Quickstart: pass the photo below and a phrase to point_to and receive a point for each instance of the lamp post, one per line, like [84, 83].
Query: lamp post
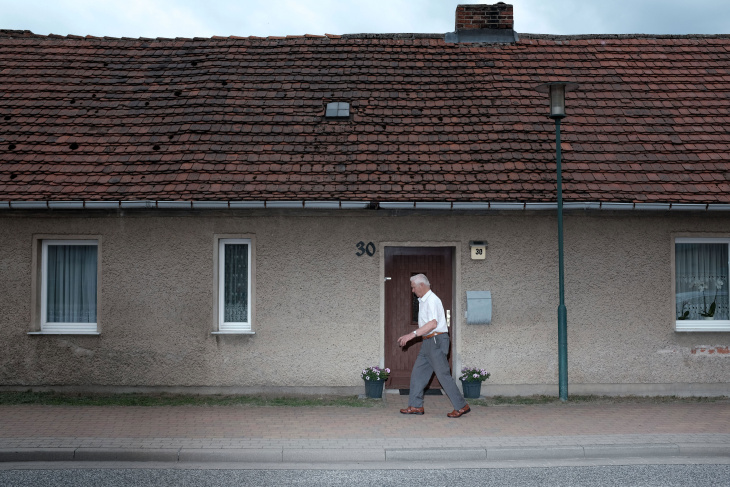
[557, 92]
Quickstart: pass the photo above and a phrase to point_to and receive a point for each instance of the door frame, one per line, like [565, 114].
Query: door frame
[457, 313]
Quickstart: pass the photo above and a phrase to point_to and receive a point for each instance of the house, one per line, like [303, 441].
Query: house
[243, 214]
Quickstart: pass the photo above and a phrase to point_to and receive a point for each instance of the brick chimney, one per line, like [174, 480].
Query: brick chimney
[470, 17]
[484, 24]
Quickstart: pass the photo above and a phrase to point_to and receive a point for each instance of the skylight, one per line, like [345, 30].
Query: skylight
[338, 109]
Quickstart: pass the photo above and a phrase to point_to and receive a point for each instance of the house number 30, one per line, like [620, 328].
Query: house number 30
[363, 248]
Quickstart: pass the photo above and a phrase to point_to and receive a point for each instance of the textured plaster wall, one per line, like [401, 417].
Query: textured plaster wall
[317, 310]
[618, 296]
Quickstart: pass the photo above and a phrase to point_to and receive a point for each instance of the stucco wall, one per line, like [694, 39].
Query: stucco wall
[317, 310]
[618, 295]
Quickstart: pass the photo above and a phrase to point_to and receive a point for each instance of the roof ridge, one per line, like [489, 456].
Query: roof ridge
[19, 33]
[10, 33]
[394, 35]
[623, 36]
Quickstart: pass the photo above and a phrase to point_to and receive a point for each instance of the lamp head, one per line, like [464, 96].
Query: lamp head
[556, 91]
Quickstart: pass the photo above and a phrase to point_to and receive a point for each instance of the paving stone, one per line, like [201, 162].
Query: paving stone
[172, 434]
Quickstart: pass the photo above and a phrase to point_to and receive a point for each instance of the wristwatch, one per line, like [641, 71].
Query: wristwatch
[415, 332]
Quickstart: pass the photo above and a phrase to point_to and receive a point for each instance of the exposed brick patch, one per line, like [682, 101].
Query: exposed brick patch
[705, 350]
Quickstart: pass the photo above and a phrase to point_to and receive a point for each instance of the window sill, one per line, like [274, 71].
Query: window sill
[92, 333]
[233, 333]
[702, 326]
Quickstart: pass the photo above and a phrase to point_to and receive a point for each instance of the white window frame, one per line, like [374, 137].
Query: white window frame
[65, 328]
[696, 325]
[233, 327]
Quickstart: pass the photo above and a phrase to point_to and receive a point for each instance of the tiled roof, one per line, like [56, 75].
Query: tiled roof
[243, 119]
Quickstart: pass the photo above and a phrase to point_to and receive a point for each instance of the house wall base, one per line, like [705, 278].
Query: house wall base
[201, 390]
[510, 390]
[676, 389]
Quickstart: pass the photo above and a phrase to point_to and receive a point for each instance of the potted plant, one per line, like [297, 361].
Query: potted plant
[375, 378]
[708, 313]
[471, 381]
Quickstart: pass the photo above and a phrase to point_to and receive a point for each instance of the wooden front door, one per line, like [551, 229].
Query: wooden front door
[401, 305]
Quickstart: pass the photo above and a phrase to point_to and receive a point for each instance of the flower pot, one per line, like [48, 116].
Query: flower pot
[374, 388]
[472, 389]
[708, 317]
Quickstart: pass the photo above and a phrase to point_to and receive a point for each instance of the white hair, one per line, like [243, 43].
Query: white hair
[420, 279]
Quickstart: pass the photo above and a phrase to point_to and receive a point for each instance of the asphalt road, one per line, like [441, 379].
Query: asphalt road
[624, 475]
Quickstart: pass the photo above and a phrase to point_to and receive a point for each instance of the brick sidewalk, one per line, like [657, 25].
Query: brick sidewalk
[379, 428]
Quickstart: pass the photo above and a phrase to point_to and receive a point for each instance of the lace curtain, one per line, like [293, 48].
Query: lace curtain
[71, 278]
[701, 279]
[235, 283]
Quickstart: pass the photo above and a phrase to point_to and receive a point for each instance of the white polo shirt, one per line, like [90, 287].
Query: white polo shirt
[430, 308]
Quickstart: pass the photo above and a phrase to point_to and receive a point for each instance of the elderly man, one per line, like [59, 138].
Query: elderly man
[435, 347]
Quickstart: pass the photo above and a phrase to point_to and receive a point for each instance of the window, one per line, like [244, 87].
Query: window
[338, 109]
[69, 286]
[701, 284]
[234, 286]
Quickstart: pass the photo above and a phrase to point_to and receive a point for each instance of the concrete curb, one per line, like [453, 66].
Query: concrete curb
[435, 455]
[536, 453]
[358, 455]
[326, 455]
[37, 454]
[127, 455]
[232, 455]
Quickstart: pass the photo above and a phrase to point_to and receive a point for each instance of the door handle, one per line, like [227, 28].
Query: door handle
[448, 318]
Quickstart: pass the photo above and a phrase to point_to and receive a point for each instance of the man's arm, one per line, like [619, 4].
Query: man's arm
[424, 330]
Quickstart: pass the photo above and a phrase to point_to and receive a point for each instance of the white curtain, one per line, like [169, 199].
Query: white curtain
[71, 292]
[235, 284]
[701, 279]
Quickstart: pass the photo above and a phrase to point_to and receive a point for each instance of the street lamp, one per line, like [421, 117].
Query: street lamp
[557, 91]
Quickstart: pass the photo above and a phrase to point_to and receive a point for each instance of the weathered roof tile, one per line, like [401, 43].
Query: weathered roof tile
[431, 121]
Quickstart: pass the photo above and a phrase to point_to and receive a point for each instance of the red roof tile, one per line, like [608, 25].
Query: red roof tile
[243, 118]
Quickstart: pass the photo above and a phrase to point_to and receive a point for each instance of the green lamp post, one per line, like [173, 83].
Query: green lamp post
[557, 92]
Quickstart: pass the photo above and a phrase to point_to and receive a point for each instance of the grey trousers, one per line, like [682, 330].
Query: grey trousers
[432, 358]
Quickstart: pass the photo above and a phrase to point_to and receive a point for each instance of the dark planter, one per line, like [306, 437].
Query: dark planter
[472, 390]
[374, 388]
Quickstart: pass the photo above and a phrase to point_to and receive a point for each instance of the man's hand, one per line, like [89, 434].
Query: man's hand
[402, 341]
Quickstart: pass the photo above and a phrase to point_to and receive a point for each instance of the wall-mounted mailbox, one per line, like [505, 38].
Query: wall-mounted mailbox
[478, 307]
